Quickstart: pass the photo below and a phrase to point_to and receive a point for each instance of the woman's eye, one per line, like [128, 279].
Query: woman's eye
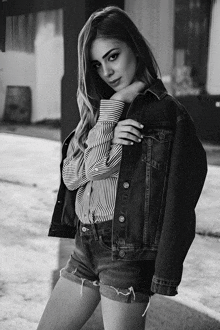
[113, 57]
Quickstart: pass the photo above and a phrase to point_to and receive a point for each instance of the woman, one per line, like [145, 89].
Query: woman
[132, 173]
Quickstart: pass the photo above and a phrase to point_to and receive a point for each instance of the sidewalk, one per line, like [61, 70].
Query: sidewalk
[29, 176]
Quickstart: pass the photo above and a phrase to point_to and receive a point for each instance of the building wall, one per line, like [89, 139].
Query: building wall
[16, 69]
[49, 54]
[155, 19]
[213, 76]
[34, 58]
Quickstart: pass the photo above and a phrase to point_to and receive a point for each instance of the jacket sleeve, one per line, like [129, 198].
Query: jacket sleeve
[188, 168]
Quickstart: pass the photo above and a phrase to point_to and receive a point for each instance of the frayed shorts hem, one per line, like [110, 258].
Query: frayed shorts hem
[127, 295]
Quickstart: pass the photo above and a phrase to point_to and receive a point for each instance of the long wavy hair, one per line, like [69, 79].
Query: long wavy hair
[108, 23]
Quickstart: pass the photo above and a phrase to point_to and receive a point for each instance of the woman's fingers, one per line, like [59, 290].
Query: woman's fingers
[130, 122]
[127, 132]
[123, 142]
[131, 134]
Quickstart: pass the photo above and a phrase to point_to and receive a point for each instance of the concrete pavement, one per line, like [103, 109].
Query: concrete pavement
[29, 176]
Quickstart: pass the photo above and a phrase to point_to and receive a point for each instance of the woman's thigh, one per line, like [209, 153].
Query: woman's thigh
[69, 307]
[118, 315]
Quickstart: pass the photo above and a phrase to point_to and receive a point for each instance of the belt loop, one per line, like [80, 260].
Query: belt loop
[94, 229]
[77, 222]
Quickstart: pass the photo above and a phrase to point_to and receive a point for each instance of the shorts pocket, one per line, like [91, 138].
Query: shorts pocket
[105, 242]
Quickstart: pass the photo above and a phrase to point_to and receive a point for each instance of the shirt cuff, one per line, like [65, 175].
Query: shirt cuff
[110, 110]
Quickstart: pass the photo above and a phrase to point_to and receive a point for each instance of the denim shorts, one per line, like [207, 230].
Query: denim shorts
[91, 265]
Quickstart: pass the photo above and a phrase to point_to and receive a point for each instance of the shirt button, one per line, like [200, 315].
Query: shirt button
[126, 185]
[84, 229]
[96, 169]
[121, 218]
[121, 253]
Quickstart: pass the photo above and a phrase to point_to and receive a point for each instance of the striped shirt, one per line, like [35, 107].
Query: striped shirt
[95, 172]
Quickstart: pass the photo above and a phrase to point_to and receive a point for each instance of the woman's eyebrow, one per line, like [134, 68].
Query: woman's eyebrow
[109, 52]
[105, 54]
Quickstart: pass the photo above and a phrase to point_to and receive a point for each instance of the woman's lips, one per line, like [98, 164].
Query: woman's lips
[115, 83]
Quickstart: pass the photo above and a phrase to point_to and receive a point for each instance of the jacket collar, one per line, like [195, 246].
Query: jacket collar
[157, 89]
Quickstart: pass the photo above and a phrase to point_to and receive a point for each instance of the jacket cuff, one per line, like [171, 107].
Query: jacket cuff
[110, 110]
[164, 287]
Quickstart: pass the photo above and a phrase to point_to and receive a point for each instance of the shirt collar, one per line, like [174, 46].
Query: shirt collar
[158, 89]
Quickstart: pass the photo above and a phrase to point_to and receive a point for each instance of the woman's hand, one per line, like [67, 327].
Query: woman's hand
[127, 132]
[128, 93]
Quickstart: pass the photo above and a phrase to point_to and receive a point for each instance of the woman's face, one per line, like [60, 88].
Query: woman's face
[114, 62]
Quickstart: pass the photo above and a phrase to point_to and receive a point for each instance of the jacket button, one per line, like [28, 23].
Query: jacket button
[161, 136]
[121, 218]
[122, 253]
[126, 185]
[121, 241]
[84, 229]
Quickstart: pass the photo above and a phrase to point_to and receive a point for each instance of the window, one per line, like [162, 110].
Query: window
[191, 35]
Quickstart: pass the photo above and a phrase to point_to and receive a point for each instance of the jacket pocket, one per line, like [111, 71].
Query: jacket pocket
[156, 150]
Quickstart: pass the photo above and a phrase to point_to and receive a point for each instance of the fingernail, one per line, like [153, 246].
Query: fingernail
[141, 126]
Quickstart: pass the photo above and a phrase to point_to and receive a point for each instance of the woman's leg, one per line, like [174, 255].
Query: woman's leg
[69, 306]
[123, 316]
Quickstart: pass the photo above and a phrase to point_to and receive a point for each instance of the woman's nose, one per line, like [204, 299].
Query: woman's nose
[107, 71]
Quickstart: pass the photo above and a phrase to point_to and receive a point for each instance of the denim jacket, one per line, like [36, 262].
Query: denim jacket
[160, 181]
